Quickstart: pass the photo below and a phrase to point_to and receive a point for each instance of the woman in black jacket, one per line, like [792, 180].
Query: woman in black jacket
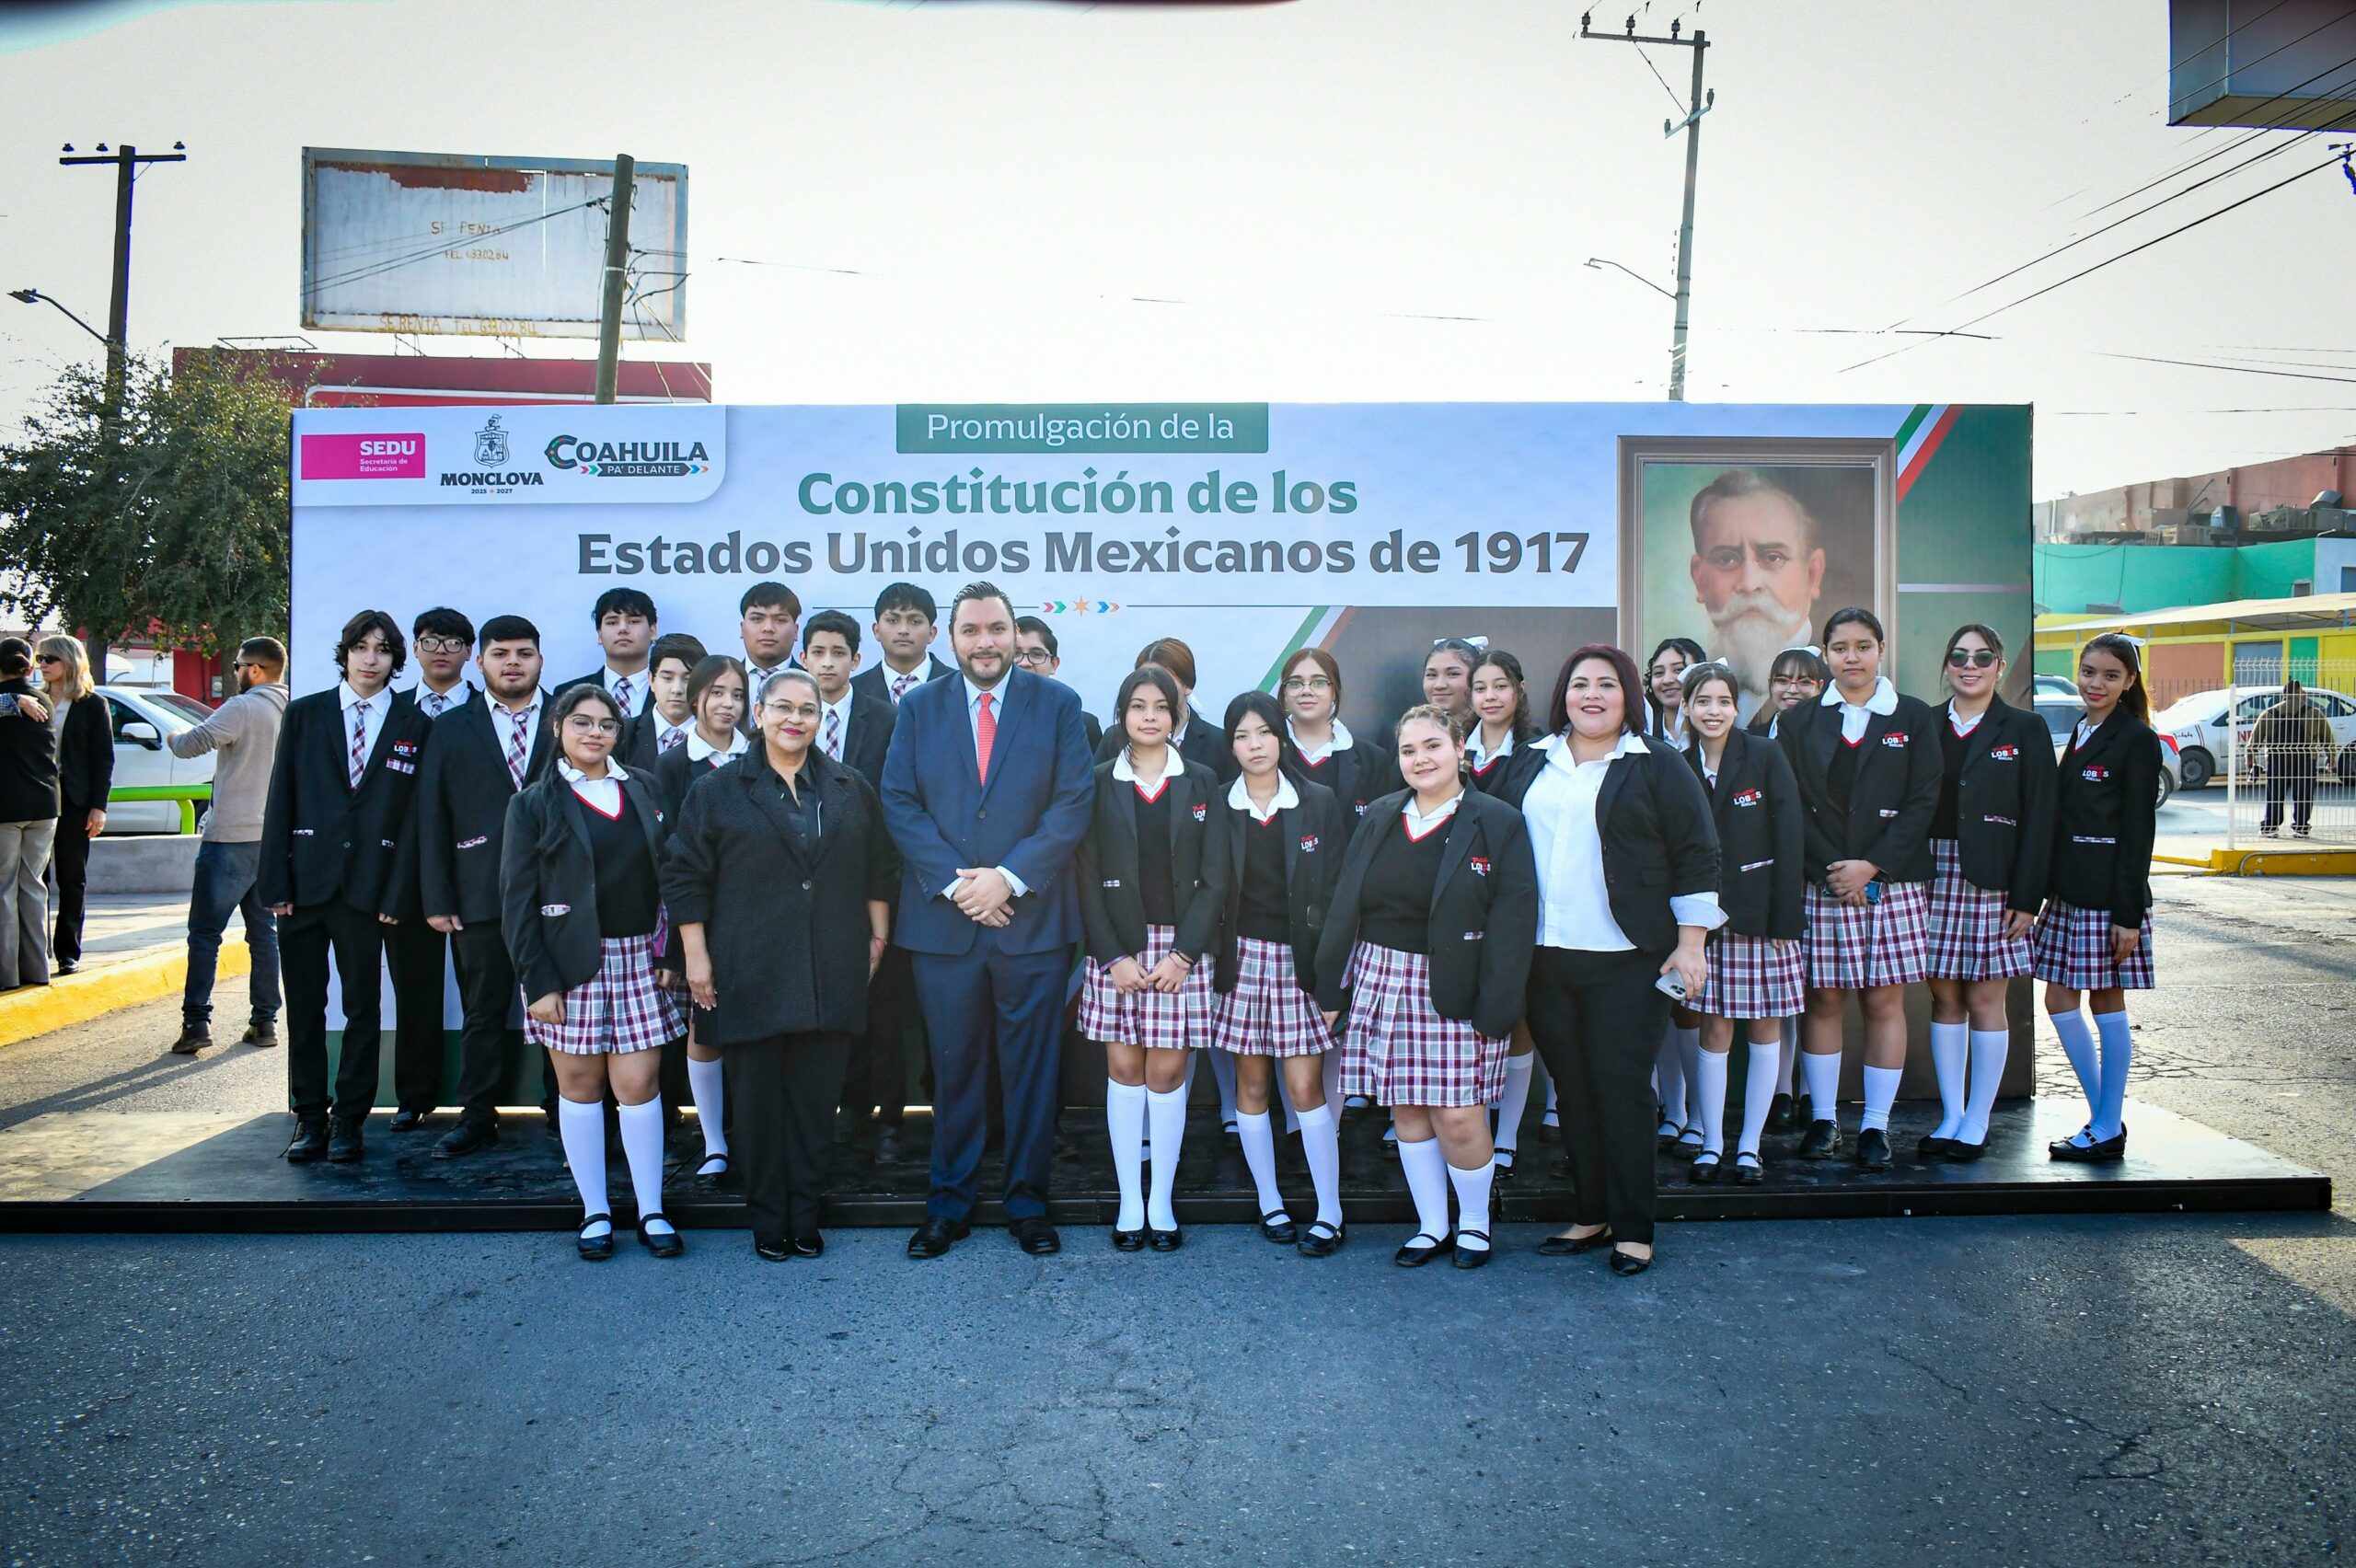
[85, 777]
[1320, 749]
[582, 915]
[779, 879]
[2095, 932]
[1502, 726]
[1627, 863]
[1144, 995]
[1273, 853]
[28, 819]
[1867, 761]
[1427, 947]
[1990, 839]
[1755, 970]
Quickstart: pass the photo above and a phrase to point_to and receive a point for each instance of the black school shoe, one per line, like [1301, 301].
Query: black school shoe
[1705, 1169]
[344, 1143]
[1821, 1141]
[1934, 1147]
[662, 1243]
[1779, 1114]
[595, 1249]
[1320, 1240]
[1411, 1256]
[1276, 1226]
[2104, 1152]
[1872, 1149]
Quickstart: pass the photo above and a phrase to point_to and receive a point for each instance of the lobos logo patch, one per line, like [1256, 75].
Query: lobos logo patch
[1308, 842]
[1895, 738]
[1479, 865]
[404, 748]
[1202, 812]
[2097, 773]
[1749, 797]
[2005, 754]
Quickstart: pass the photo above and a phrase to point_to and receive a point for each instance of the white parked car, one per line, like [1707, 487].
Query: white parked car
[2062, 714]
[2196, 725]
[141, 717]
[2053, 685]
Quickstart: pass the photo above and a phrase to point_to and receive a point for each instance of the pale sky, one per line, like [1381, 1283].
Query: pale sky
[1031, 201]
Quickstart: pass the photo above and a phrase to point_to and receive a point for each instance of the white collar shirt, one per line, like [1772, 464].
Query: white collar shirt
[1238, 795]
[699, 749]
[1315, 754]
[372, 717]
[433, 704]
[1573, 899]
[1854, 717]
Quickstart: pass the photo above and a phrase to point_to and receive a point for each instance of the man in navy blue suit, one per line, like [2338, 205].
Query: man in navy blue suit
[987, 789]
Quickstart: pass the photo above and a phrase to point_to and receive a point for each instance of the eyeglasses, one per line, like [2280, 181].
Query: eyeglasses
[48, 659]
[431, 644]
[1308, 683]
[1033, 656]
[1969, 658]
[791, 709]
[580, 724]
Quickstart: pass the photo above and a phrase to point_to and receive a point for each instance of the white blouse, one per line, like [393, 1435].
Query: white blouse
[1574, 901]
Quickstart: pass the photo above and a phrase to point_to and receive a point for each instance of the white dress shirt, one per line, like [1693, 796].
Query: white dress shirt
[605, 794]
[897, 684]
[1854, 717]
[1341, 741]
[503, 725]
[1420, 825]
[1962, 725]
[667, 734]
[1481, 760]
[974, 696]
[1172, 765]
[372, 711]
[699, 749]
[2087, 728]
[1574, 901]
[841, 710]
[1239, 795]
[641, 688]
[454, 697]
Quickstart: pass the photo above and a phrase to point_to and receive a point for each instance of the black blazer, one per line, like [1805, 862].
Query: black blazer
[1094, 728]
[1762, 828]
[463, 788]
[1483, 919]
[1657, 834]
[876, 679]
[1892, 798]
[869, 735]
[28, 761]
[640, 746]
[1359, 776]
[547, 881]
[1111, 908]
[673, 774]
[323, 841]
[2106, 814]
[85, 757]
[1489, 782]
[787, 926]
[1204, 746]
[1315, 838]
[2003, 805]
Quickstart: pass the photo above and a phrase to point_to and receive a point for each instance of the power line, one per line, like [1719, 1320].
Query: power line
[2241, 141]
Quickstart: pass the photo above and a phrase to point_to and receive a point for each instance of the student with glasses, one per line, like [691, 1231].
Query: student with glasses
[417, 953]
[1035, 650]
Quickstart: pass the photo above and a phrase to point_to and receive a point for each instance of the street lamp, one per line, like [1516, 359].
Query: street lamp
[1599, 263]
[34, 296]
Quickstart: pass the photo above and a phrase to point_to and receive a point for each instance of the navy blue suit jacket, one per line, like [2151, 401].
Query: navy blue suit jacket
[1029, 818]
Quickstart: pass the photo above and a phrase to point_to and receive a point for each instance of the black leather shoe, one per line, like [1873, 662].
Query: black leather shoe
[713, 1173]
[772, 1251]
[1803, 1112]
[1320, 1240]
[408, 1121]
[344, 1144]
[595, 1249]
[1748, 1175]
[472, 1133]
[1963, 1153]
[887, 1143]
[1413, 1256]
[1231, 1135]
[936, 1236]
[1276, 1226]
[194, 1037]
[1471, 1257]
[1165, 1240]
[2104, 1152]
[1627, 1265]
[1934, 1147]
[1129, 1241]
[310, 1140]
[260, 1036]
[1572, 1246]
[1779, 1114]
[1355, 1106]
[1705, 1169]
[1665, 1139]
[809, 1245]
[1872, 1149]
[666, 1243]
[1821, 1141]
[1501, 1163]
[1036, 1236]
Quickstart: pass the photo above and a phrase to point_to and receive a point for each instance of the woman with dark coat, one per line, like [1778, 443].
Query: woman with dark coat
[778, 883]
[1627, 861]
[85, 778]
[28, 819]
[1501, 726]
[582, 915]
[1144, 995]
[1427, 949]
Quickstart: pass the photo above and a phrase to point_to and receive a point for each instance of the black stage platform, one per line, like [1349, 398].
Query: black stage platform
[131, 1172]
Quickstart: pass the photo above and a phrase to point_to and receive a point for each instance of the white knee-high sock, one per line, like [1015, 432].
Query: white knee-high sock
[1427, 1171]
[1472, 1204]
[1990, 1047]
[1320, 1144]
[1707, 1096]
[1165, 1115]
[2117, 1052]
[1223, 1069]
[1688, 1061]
[1881, 1093]
[2078, 1044]
[1514, 1101]
[1759, 1093]
[1950, 1054]
[1124, 1121]
[1784, 1054]
[1260, 1154]
[582, 1128]
[1668, 1077]
[1822, 1075]
[709, 1086]
[642, 1147]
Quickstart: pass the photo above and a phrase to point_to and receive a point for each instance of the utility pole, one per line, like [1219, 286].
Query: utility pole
[127, 160]
[1699, 105]
[609, 317]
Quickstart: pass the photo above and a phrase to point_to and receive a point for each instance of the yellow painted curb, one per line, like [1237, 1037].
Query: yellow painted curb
[2284, 862]
[94, 993]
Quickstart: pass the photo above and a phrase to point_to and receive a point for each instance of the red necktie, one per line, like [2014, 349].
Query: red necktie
[985, 736]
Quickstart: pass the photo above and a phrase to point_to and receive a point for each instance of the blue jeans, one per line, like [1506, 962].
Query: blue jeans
[225, 881]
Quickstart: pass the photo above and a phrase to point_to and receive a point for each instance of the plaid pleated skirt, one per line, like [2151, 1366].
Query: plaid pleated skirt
[1968, 940]
[1850, 947]
[1751, 977]
[1401, 1053]
[2072, 949]
[619, 1009]
[1267, 1014]
[1158, 1020]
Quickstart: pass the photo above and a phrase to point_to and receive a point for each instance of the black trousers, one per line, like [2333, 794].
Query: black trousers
[69, 868]
[486, 994]
[782, 1092]
[308, 941]
[1597, 1021]
[2293, 777]
[876, 1078]
[418, 956]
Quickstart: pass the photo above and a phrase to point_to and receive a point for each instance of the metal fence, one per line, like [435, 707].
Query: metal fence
[2285, 764]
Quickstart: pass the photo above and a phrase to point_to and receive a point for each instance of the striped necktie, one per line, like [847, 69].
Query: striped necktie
[832, 740]
[623, 697]
[359, 742]
[518, 752]
[900, 684]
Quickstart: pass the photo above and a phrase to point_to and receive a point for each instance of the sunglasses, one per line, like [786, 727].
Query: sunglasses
[1969, 659]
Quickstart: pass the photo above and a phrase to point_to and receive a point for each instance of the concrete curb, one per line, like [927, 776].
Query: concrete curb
[2283, 862]
[94, 993]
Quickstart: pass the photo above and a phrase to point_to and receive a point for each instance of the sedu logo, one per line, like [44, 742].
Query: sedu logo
[628, 459]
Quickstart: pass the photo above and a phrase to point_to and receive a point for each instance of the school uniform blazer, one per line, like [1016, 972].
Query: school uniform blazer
[1359, 776]
[1111, 906]
[547, 881]
[1204, 746]
[322, 840]
[642, 742]
[876, 680]
[1316, 836]
[1029, 817]
[85, 757]
[1484, 912]
[2003, 805]
[2106, 813]
[675, 775]
[463, 788]
[868, 737]
[1654, 828]
[786, 925]
[1488, 783]
[1762, 828]
[1892, 797]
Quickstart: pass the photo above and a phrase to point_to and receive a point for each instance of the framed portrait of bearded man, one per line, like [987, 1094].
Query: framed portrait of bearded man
[1746, 543]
